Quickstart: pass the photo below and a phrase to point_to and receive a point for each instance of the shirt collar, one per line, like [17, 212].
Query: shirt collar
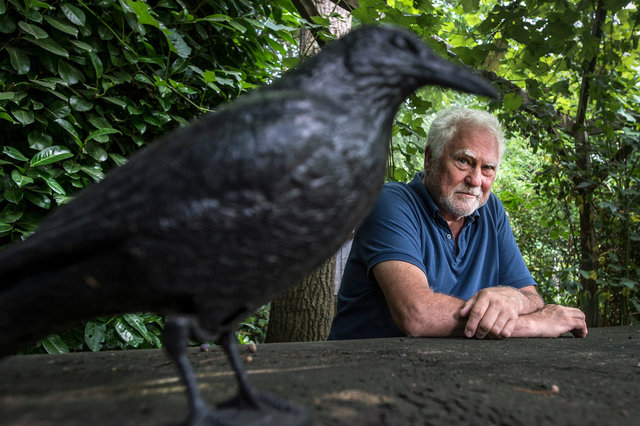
[418, 187]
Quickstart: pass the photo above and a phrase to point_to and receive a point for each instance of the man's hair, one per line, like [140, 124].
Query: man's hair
[449, 121]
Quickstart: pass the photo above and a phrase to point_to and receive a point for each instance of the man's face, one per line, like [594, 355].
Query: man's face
[460, 181]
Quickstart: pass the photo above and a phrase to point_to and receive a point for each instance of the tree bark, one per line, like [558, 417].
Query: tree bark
[584, 186]
[305, 312]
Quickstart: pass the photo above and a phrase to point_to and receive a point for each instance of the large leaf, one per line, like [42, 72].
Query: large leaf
[61, 26]
[94, 334]
[49, 45]
[50, 155]
[19, 60]
[55, 345]
[73, 13]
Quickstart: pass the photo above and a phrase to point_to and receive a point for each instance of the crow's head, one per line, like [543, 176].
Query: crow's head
[389, 56]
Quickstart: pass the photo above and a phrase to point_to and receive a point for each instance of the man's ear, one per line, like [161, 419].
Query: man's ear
[427, 157]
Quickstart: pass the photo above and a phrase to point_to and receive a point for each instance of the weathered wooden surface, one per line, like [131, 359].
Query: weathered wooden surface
[389, 381]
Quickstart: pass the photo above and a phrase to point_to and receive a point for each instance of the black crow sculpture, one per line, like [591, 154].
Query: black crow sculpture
[218, 217]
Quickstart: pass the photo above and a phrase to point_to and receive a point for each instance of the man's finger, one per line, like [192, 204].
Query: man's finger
[476, 315]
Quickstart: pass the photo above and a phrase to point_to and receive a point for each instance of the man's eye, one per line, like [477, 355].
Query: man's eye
[463, 161]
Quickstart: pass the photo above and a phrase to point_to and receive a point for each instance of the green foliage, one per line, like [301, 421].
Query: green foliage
[140, 331]
[254, 328]
[559, 78]
[85, 84]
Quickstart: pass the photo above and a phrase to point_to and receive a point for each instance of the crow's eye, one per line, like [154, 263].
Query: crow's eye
[404, 43]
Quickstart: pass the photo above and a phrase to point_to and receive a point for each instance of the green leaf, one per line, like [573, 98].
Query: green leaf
[69, 128]
[97, 64]
[5, 227]
[178, 44]
[94, 334]
[512, 101]
[12, 152]
[80, 104]
[20, 179]
[24, 117]
[73, 14]
[38, 140]
[7, 25]
[6, 96]
[13, 195]
[82, 45]
[69, 73]
[40, 200]
[19, 60]
[115, 101]
[96, 151]
[53, 184]
[33, 30]
[50, 155]
[141, 10]
[118, 159]
[95, 173]
[136, 322]
[100, 132]
[50, 45]
[61, 26]
[55, 345]
[127, 333]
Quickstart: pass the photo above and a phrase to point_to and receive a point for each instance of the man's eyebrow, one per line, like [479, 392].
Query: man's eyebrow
[468, 153]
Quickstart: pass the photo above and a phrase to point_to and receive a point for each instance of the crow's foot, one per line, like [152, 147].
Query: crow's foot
[270, 412]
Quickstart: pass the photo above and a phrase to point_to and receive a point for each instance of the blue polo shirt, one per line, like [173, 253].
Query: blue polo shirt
[405, 224]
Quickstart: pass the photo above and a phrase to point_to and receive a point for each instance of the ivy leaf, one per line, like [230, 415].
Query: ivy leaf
[50, 155]
[73, 14]
[19, 60]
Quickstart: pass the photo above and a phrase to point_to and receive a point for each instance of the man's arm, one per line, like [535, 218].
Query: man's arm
[551, 321]
[419, 311]
[498, 308]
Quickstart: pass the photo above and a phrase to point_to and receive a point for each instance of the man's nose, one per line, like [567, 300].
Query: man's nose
[474, 177]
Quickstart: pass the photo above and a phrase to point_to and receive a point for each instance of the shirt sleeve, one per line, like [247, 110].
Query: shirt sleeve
[391, 231]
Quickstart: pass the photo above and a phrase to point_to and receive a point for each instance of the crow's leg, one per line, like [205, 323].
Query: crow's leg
[247, 408]
[247, 395]
[177, 331]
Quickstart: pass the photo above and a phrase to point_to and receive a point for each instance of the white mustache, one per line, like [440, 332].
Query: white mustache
[470, 190]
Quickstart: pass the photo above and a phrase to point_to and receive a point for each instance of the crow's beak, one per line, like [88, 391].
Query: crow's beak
[455, 77]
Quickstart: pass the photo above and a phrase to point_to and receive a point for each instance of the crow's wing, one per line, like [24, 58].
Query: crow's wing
[250, 160]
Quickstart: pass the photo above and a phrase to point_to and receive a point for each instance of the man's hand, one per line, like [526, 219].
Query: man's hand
[494, 311]
[551, 321]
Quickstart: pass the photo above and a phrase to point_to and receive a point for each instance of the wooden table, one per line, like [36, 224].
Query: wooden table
[367, 382]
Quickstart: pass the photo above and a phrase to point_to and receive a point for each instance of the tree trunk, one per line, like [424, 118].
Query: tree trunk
[305, 312]
[588, 298]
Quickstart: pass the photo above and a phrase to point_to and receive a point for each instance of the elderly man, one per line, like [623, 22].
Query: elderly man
[437, 257]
